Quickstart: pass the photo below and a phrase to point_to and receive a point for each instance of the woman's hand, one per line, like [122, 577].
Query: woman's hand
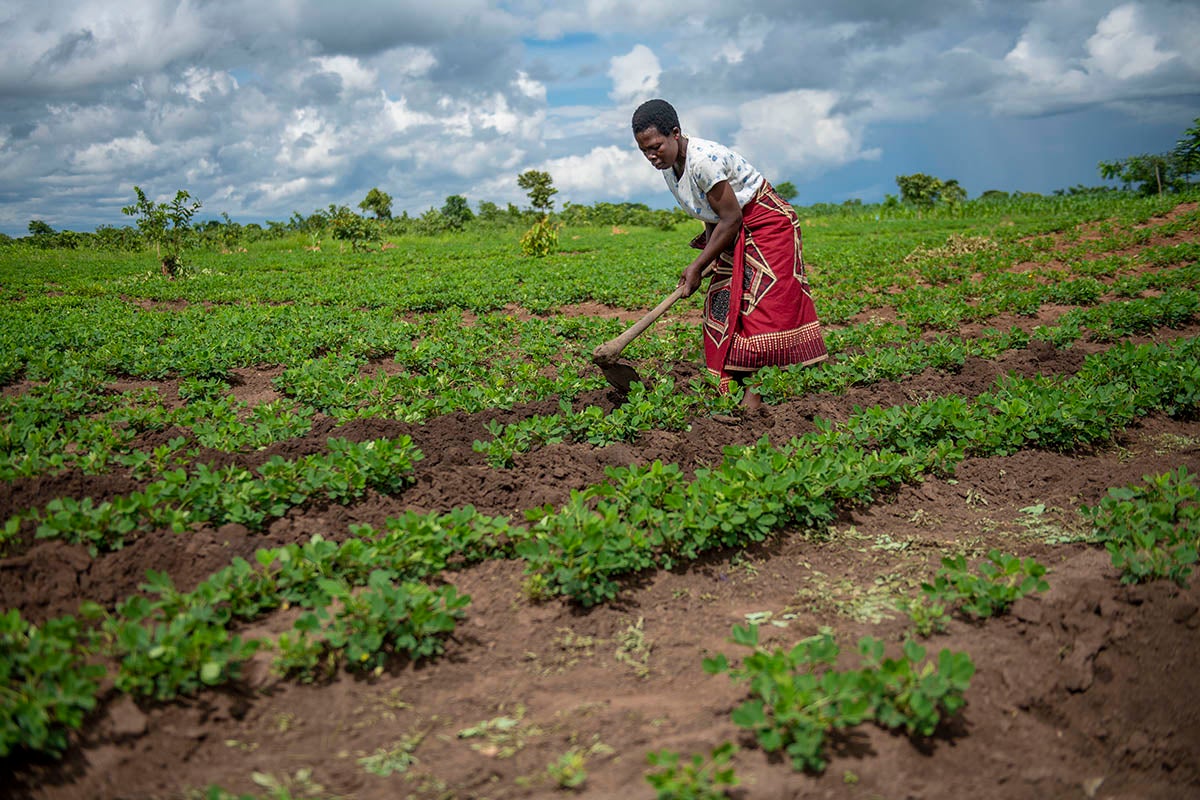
[690, 279]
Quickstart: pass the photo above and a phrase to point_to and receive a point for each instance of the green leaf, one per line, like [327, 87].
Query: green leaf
[210, 673]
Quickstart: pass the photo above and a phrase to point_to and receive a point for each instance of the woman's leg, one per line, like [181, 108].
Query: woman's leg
[751, 400]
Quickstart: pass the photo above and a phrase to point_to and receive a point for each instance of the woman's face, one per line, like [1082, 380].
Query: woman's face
[659, 149]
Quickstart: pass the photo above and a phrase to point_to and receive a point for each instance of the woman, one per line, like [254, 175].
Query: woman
[758, 311]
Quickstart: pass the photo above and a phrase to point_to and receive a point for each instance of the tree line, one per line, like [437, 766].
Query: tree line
[1144, 174]
[168, 226]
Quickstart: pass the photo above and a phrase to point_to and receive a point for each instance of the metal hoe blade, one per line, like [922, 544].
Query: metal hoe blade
[620, 374]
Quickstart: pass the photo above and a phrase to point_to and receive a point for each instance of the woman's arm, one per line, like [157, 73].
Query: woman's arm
[720, 236]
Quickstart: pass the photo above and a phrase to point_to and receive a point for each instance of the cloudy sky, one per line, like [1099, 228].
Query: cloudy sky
[260, 109]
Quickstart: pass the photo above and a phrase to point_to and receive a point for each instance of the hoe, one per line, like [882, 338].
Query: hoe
[619, 372]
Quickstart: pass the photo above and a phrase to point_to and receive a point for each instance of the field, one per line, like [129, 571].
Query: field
[311, 523]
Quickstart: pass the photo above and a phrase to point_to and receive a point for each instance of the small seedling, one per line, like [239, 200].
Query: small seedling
[397, 758]
[568, 769]
[695, 778]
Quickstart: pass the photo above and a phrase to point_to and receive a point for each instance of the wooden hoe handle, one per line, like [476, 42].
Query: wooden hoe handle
[608, 352]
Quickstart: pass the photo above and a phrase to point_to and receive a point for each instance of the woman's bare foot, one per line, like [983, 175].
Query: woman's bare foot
[751, 400]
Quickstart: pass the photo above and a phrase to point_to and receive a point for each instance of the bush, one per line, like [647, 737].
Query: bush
[541, 239]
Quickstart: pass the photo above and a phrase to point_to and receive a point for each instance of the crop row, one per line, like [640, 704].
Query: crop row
[72, 424]
[333, 310]
[653, 516]
[640, 517]
[422, 274]
[111, 337]
[75, 421]
[181, 498]
[663, 408]
[364, 600]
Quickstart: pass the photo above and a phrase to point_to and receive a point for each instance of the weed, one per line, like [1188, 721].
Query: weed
[1167, 443]
[501, 737]
[1039, 523]
[568, 770]
[299, 786]
[388, 760]
[633, 649]
[695, 778]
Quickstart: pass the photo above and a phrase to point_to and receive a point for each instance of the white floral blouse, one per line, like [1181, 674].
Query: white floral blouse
[708, 163]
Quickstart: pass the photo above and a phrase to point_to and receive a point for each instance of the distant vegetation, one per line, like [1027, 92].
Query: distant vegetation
[168, 227]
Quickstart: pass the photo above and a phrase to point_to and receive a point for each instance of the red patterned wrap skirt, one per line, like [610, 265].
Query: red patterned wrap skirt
[759, 311]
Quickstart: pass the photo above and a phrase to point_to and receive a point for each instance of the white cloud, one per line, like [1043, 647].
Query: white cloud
[198, 82]
[57, 43]
[299, 103]
[354, 76]
[400, 117]
[1040, 63]
[309, 143]
[115, 155]
[634, 75]
[535, 90]
[604, 171]
[1121, 49]
[271, 193]
[554, 19]
[608, 172]
[797, 131]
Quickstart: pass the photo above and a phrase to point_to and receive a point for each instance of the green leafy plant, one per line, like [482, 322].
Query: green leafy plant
[383, 618]
[1001, 579]
[569, 770]
[797, 696]
[163, 655]
[541, 239]
[912, 693]
[167, 226]
[696, 778]
[1152, 530]
[47, 687]
[928, 614]
[358, 231]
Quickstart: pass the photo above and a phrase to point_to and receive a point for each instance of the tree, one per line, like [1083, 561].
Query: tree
[542, 238]
[1151, 173]
[38, 227]
[538, 186]
[378, 203]
[920, 189]
[952, 193]
[787, 190]
[456, 212]
[1187, 151]
[1157, 173]
[347, 226]
[489, 211]
[165, 225]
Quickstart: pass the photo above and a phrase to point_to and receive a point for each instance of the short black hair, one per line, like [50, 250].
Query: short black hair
[655, 114]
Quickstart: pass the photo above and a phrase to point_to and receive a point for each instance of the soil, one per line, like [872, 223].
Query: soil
[1084, 691]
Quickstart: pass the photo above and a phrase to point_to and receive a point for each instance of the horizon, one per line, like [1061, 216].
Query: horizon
[278, 108]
